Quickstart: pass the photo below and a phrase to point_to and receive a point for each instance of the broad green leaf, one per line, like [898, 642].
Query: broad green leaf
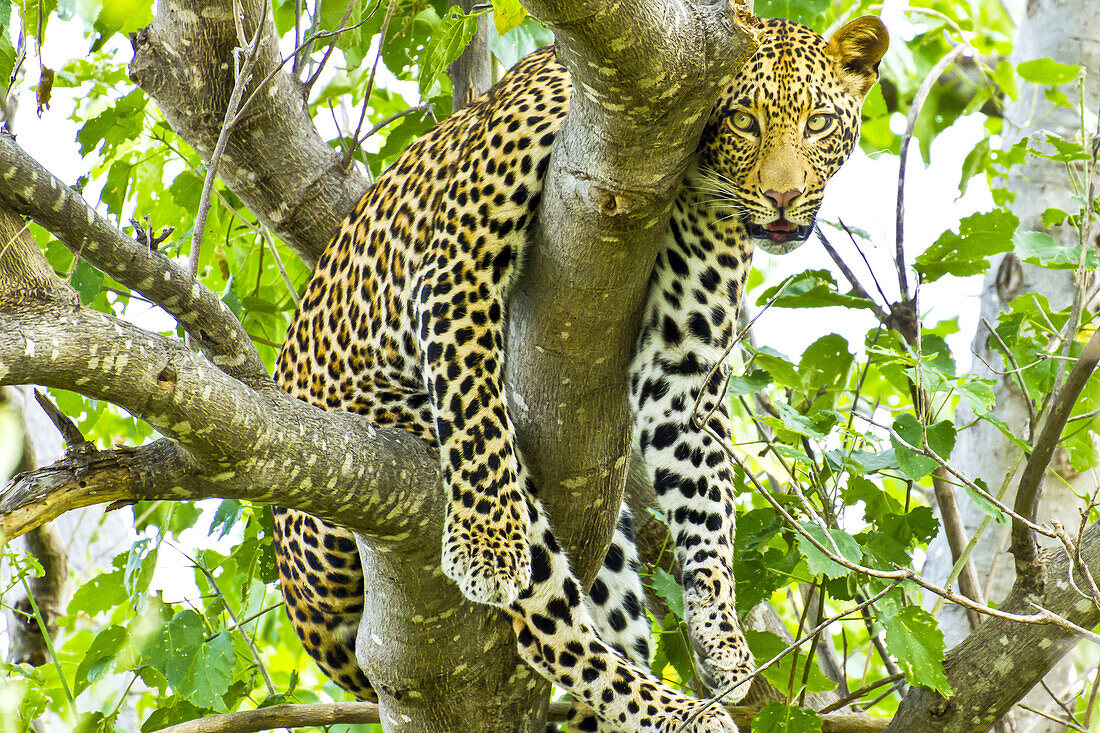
[209, 673]
[779, 718]
[141, 561]
[812, 289]
[747, 384]
[1053, 217]
[672, 649]
[227, 515]
[124, 16]
[876, 501]
[986, 505]
[100, 655]
[1047, 71]
[171, 711]
[806, 12]
[966, 253]
[941, 440]
[173, 647]
[975, 162]
[7, 56]
[670, 591]
[825, 365]
[507, 14]
[118, 124]
[913, 638]
[797, 423]
[1040, 248]
[520, 41]
[765, 645]
[447, 44]
[86, 280]
[5, 16]
[101, 593]
[821, 564]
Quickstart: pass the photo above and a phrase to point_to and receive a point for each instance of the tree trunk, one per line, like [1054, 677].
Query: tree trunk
[1069, 32]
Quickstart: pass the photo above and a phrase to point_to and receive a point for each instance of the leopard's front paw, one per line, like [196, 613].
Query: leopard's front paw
[488, 571]
[724, 660]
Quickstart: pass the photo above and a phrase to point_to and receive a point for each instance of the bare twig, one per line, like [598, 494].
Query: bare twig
[907, 136]
[74, 439]
[308, 86]
[855, 695]
[850, 276]
[244, 74]
[1033, 418]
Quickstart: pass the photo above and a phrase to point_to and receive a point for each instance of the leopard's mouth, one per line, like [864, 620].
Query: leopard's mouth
[780, 231]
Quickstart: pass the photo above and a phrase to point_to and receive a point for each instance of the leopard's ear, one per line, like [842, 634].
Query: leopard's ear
[857, 48]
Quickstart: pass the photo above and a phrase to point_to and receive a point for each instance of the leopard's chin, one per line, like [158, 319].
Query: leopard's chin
[780, 236]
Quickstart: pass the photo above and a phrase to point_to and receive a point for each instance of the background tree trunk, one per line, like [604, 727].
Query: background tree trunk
[1069, 32]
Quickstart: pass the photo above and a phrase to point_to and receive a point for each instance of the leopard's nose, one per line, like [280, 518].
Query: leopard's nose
[783, 199]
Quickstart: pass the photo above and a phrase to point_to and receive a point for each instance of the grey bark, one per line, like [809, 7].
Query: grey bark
[997, 664]
[275, 160]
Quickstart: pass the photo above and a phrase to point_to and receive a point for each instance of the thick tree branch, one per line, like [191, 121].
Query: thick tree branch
[275, 160]
[233, 441]
[31, 190]
[645, 78]
[998, 663]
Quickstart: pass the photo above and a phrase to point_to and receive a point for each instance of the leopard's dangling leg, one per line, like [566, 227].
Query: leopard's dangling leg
[689, 322]
[616, 601]
[557, 636]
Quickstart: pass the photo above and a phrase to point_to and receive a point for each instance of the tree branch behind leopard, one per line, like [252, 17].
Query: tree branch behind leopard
[404, 320]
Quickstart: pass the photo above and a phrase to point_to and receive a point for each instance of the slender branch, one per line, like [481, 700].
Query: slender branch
[907, 136]
[244, 75]
[1023, 545]
[322, 714]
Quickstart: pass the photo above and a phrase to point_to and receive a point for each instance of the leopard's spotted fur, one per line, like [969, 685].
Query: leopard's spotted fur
[403, 322]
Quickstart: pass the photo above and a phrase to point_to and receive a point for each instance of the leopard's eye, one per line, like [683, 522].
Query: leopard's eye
[818, 123]
[743, 121]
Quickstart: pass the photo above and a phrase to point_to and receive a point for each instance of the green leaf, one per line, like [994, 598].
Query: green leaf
[765, 645]
[806, 12]
[824, 366]
[913, 638]
[797, 423]
[986, 505]
[7, 55]
[87, 281]
[672, 649]
[1047, 71]
[507, 14]
[779, 718]
[747, 384]
[100, 655]
[118, 124]
[915, 465]
[447, 44]
[124, 16]
[966, 253]
[670, 591]
[173, 647]
[821, 564]
[812, 289]
[975, 162]
[1040, 248]
[5, 16]
[101, 593]
[209, 673]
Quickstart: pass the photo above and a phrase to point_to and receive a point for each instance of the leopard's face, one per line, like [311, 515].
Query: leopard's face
[785, 125]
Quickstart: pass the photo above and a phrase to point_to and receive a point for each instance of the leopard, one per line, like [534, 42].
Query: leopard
[404, 323]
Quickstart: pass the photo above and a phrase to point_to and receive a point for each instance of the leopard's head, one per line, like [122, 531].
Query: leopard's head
[785, 124]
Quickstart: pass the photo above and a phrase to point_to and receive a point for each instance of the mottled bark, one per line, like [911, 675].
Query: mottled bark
[275, 160]
[30, 190]
[997, 664]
